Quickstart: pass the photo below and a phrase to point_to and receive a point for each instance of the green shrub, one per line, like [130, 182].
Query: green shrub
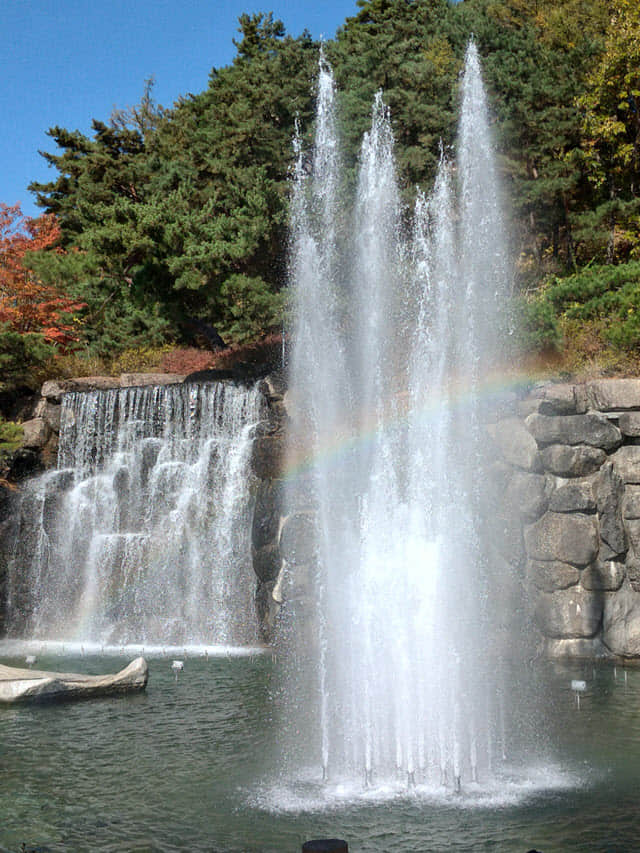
[538, 323]
[10, 438]
[23, 359]
[250, 309]
[606, 294]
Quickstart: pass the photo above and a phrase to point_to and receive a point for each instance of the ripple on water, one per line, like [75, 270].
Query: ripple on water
[193, 765]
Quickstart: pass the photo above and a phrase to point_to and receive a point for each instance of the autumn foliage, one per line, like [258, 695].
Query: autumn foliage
[26, 304]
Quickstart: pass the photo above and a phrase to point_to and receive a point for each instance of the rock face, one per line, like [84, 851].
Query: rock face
[592, 429]
[568, 538]
[563, 518]
[515, 443]
[621, 622]
[566, 461]
[26, 685]
[569, 613]
[611, 395]
[580, 512]
[627, 463]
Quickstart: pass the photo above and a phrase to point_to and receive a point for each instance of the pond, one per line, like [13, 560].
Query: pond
[191, 764]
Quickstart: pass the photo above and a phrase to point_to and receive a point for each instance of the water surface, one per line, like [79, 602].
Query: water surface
[191, 765]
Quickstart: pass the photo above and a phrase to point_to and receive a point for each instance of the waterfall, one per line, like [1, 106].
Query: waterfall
[142, 533]
[396, 331]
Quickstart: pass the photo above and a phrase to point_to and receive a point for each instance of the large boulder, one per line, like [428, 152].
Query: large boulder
[552, 575]
[627, 463]
[632, 526]
[132, 380]
[568, 538]
[607, 576]
[579, 461]
[515, 443]
[592, 429]
[267, 458]
[629, 424]
[610, 395]
[35, 433]
[560, 399]
[576, 496]
[573, 612]
[54, 389]
[633, 572]
[50, 412]
[609, 491]
[631, 502]
[527, 494]
[621, 622]
[25, 462]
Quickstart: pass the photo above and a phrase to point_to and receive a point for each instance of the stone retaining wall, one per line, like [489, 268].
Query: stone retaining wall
[571, 472]
[564, 467]
[40, 432]
[563, 464]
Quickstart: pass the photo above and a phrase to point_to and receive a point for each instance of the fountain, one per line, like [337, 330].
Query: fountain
[395, 667]
[93, 563]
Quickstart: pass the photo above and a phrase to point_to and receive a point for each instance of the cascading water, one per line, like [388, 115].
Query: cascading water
[395, 334]
[142, 534]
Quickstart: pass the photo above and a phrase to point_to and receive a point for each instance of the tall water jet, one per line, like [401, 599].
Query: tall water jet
[396, 331]
[142, 533]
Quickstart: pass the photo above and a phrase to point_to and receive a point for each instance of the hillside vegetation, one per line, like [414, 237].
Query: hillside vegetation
[165, 222]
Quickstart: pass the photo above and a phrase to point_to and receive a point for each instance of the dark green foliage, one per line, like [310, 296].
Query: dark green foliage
[250, 308]
[22, 356]
[607, 293]
[10, 438]
[170, 215]
[538, 328]
[403, 49]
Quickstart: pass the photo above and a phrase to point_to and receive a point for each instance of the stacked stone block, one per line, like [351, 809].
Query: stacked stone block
[574, 453]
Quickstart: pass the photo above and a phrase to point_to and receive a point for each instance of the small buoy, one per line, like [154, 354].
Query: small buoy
[30, 660]
[177, 666]
[578, 687]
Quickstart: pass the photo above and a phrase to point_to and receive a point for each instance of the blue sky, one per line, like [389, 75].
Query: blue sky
[67, 61]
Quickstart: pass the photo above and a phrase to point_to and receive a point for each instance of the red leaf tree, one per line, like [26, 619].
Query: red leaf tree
[26, 303]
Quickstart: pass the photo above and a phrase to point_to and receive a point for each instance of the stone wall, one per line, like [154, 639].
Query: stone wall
[563, 462]
[570, 460]
[40, 439]
[563, 468]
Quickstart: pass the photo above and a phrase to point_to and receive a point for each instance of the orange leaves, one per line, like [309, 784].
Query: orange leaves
[26, 303]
